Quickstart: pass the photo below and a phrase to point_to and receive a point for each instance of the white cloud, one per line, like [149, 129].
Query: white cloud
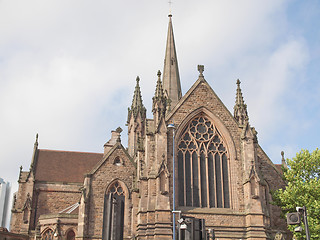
[68, 68]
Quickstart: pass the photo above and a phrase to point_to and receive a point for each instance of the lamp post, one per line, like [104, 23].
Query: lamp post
[171, 126]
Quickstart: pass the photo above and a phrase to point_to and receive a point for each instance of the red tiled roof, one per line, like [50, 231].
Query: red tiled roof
[64, 166]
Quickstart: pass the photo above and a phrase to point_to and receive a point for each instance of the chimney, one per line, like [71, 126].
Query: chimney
[115, 137]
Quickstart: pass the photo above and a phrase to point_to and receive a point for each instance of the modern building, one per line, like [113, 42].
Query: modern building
[4, 202]
[193, 156]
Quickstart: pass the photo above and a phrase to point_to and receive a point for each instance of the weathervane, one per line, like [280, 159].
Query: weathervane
[170, 5]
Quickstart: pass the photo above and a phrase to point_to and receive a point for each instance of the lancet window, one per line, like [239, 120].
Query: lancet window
[113, 216]
[203, 179]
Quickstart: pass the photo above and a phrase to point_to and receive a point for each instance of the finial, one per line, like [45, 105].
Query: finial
[119, 130]
[238, 82]
[283, 161]
[137, 79]
[20, 168]
[159, 73]
[200, 69]
[36, 142]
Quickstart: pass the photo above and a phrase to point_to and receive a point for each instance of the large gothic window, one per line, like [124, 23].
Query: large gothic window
[113, 213]
[202, 166]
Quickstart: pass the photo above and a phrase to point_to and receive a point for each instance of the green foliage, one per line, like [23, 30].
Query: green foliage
[303, 189]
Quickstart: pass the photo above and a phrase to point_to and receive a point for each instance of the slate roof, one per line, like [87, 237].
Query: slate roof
[64, 166]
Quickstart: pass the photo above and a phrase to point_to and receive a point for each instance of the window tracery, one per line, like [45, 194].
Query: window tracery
[113, 213]
[116, 189]
[203, 179]
[47, 235]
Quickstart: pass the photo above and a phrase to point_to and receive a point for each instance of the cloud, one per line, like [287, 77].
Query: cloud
[68, 68]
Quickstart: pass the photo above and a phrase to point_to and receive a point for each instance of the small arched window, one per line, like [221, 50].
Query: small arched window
[203, 179]
[71, 235]
[47, 235]
[117, 161]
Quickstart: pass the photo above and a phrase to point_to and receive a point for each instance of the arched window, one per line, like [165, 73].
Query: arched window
[117, 161]
[202, 166]
[113, 213]
[71, 235]
[47, 235]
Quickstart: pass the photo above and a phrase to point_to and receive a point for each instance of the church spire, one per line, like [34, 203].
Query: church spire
[171, 79]
[137, 105]
[240, 108]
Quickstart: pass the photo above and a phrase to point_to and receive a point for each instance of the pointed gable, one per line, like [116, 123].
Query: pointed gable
[117, 156]
[201, 95]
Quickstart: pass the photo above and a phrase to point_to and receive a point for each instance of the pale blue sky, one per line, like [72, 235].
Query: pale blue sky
[68, 68]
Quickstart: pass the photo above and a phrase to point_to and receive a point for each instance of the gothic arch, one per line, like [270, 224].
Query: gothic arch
[217, 122]
[47, 234]
[121, 184]
[202, 195]
[116, 211]
[70, 234]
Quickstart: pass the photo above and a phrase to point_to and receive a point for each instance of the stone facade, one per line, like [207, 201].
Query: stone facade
[221, 173]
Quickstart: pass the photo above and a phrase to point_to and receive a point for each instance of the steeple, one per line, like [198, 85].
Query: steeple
[171, 79]
[240, 108]
[137, 105]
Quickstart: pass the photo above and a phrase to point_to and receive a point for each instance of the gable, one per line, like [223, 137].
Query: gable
[117, 157]
[201, 97]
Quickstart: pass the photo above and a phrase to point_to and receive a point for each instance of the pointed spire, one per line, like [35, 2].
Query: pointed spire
[171, 79]
[159, 89]
[137, 105]
[159, 99]
[240, 108]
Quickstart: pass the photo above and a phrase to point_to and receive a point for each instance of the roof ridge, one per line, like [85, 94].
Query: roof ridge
[69, 151]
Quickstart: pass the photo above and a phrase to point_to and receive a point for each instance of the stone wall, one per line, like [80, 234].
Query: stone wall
[101, 178]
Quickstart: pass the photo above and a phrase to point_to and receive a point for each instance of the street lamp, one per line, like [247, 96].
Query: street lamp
[171, 126]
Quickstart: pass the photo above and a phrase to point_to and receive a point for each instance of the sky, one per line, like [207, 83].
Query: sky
[68, 68]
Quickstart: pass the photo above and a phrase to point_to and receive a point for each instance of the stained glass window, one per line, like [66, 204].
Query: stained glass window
[202, 166]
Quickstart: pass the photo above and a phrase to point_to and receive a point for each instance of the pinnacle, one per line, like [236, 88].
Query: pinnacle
[137, 99]
[159, 99]
[239, 97]
[240, 108]
[137, 105]
[159, 89]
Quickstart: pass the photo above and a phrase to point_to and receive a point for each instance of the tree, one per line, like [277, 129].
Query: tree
[303, 189]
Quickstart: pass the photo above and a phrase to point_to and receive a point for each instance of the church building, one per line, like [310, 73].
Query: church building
[193, 156]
